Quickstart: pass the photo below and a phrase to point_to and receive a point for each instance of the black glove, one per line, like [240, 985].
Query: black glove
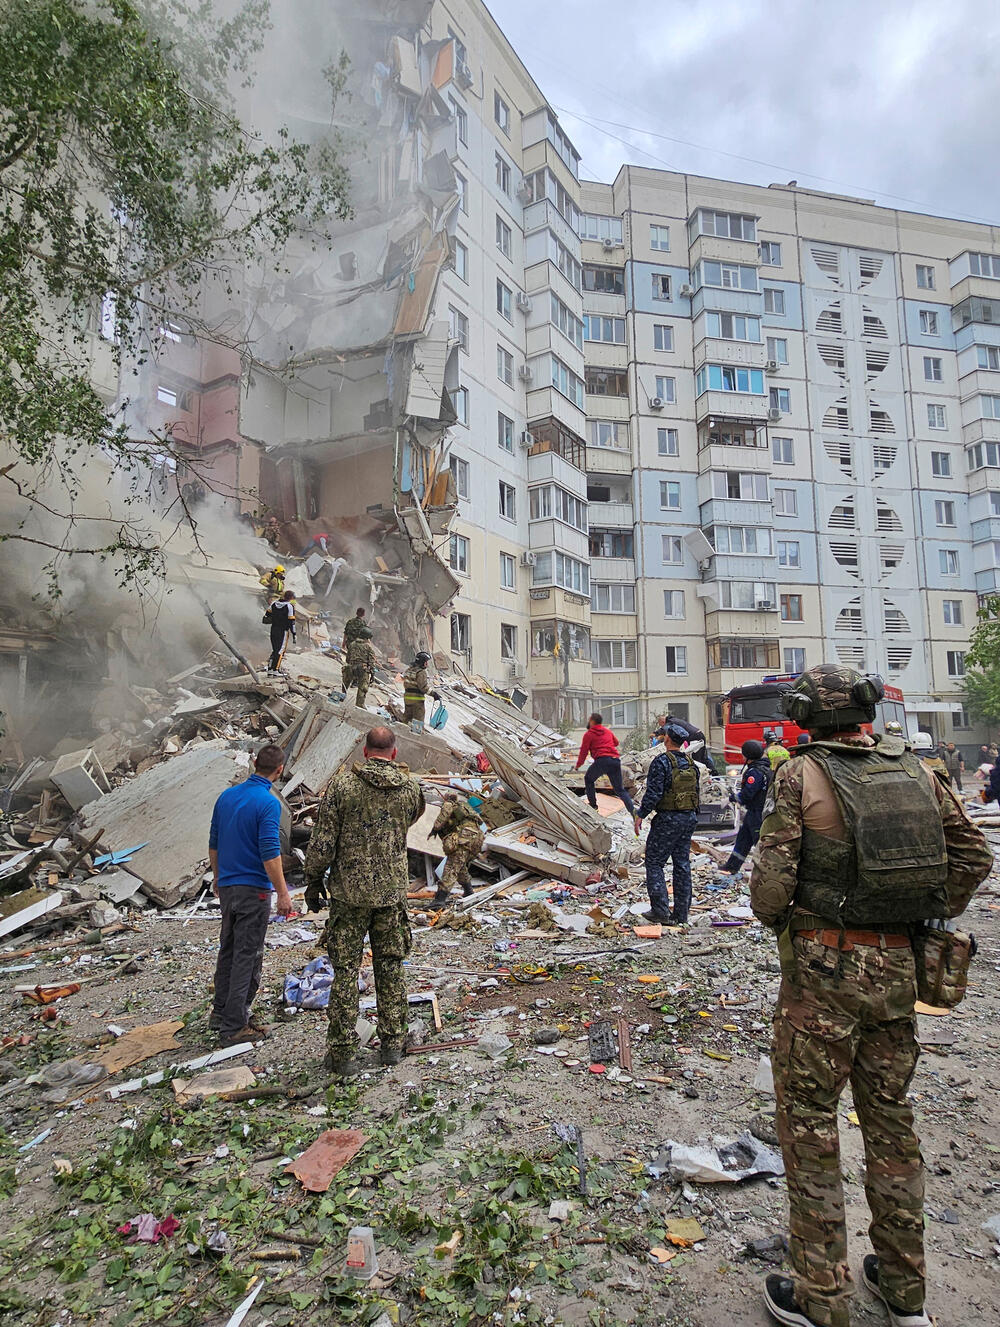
[316, 895]
[435, 695]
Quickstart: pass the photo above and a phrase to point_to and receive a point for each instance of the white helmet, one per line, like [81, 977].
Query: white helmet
[922, 742]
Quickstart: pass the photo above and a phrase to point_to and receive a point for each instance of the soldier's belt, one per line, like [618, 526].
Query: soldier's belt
[848, 939]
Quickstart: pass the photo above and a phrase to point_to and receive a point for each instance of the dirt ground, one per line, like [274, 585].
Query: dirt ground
[459, 1142]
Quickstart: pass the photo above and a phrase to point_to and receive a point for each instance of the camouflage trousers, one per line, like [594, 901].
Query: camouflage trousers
[461, 848]
[346, 677]
[848, 1015]
[388, 931]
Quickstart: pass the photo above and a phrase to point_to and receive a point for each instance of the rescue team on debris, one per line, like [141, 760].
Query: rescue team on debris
[864, 855]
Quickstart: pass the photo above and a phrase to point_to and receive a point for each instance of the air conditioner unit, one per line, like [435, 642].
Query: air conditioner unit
[523, 302]
[771, 366]
[528, 559]
[514, 670]
[463, 74]
[608, 245]
[686, 291]
[527, 440]
[524, 193]
[526, 373]
[774, 414]
[656, 403]
[765, 605]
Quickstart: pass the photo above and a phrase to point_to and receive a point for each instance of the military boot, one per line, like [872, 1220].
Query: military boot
[390, 1054]
[467, 890]
[441, 897]
[338, 1067]
[897, 1317]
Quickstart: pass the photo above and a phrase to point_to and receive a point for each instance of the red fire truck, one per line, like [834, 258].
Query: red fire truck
[748, 711]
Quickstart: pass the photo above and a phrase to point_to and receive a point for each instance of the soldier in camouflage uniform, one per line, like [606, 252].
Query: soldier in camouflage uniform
[360, 835]
[353, 628]
[462, 839]
[860, 845]
[360, 666]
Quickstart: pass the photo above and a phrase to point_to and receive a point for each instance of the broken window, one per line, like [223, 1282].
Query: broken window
[676, 659]
[460, 473]
[458, 554]
[612, 544]
[501, 113]
[508, 640]
[614, 655]
[505, 301]
[461, 633]
[503, 174]
[458, 327]
[604, 280]
[505, 431]
[507, 501]
[606, 382]
[504, 236]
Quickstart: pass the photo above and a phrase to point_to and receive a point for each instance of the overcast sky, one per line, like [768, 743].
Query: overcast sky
[891, 99]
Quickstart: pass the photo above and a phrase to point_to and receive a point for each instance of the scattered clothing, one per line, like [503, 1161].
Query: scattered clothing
[310, 988]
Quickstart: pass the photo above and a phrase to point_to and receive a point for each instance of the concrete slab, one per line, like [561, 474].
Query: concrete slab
[169, 808]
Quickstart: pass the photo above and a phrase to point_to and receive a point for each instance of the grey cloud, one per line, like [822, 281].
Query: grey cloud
[894, 100]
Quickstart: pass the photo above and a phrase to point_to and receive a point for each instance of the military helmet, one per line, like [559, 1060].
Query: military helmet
[365, 633]
[832, 696]
[422, 658]
[922, 742]
[752, 749]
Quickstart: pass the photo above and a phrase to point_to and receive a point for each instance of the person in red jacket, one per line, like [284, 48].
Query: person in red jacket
[601, 745]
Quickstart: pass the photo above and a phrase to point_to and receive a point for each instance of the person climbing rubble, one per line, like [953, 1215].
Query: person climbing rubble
[672, 792]
[416, 688]
[462, 839]
[360, 666]
[601, 745]
[757, 778]
[848, 879]
[360, 837]
[280, 616]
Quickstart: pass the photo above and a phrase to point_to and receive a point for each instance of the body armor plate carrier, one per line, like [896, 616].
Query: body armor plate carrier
[892, 868]
[683, 794]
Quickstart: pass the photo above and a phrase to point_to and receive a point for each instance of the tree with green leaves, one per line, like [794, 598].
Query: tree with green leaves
[128, 187]
[982, 664]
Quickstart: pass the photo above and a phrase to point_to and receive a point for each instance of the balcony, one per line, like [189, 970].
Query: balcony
[734, 511]
[607, 407]
[743, 566]
[608, 461]
[755, 459]
[546, 671]
[722, 249]
[544, 215]
[553, 601]
[731, 405]
[613, 515]
[612, 569]
[726, 301]
[988, 528]
[713, 350]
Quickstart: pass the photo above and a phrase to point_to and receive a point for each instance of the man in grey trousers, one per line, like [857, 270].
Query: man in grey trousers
[245, 854]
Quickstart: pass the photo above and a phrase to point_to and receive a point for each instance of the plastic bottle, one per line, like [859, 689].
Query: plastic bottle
[361, 1260]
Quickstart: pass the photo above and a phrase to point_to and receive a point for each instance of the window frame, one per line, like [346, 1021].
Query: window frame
[664, 437]
[504, 237]
[508, 562]
[507, 499]
[933, 368]
[670, 488]
[663, 337]
[505, 301]
[925, 277]
[501, 120]
[677, 667]
[777, 301]
[505, 365]
[655, 238]
[769, 246]
[782, 510]
[459, 549]
[504, 174]
[502, 421]
[936, 412]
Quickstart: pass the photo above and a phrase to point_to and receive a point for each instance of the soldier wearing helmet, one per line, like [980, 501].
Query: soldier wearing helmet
[416, 687]
[860, 847]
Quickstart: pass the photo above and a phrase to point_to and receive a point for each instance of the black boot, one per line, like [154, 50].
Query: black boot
[441, 897]
[467, 890]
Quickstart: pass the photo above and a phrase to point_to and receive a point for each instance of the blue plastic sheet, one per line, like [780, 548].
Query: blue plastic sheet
[310, 988]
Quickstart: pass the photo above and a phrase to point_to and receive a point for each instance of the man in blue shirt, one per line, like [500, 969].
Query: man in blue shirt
[672, 792]
[245, 853]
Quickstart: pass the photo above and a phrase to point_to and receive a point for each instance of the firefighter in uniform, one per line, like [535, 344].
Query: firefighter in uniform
[860, 846]
[416, 687]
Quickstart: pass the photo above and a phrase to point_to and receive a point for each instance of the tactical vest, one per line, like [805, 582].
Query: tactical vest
[682, 795]
[893, 867]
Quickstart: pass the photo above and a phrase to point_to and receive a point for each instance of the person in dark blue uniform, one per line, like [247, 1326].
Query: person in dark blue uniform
[672, 792]
[752, 794]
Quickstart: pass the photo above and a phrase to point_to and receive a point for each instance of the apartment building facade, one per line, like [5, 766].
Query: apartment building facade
[791, 395]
